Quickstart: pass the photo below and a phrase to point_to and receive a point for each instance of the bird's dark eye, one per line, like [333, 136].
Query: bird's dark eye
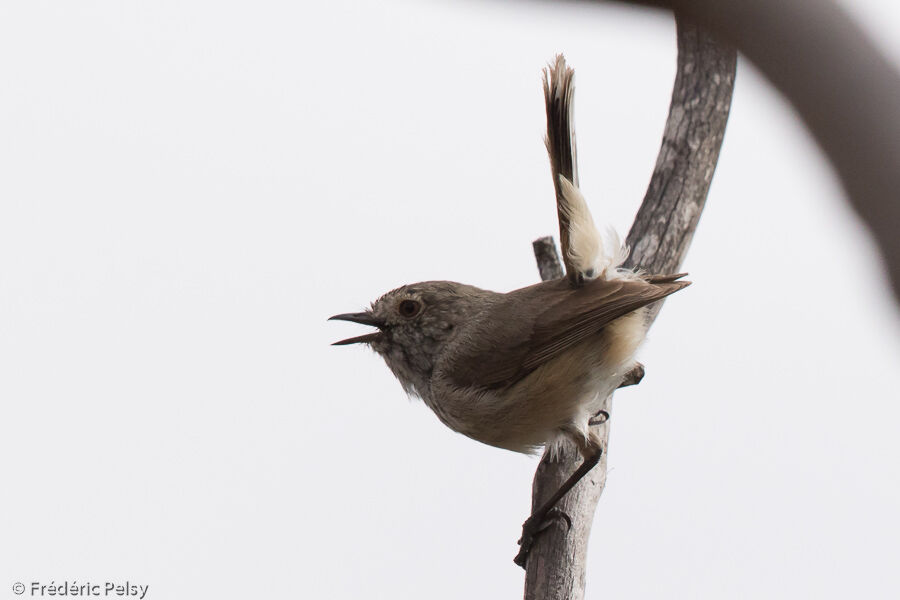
[409, 308]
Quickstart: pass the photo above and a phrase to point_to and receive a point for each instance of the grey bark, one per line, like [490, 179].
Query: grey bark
[842, 87]
[659, 239]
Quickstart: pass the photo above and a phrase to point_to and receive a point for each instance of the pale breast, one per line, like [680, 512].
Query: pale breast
[561, 394]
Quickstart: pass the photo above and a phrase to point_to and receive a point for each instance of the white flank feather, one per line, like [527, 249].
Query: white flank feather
[593, 255]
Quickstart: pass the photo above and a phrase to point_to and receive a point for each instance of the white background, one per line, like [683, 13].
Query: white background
[188, 189]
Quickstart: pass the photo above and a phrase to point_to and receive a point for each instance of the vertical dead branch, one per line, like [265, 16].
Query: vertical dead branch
[659, 239]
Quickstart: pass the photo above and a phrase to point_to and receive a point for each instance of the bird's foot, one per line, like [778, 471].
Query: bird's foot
[535, 525]
[634, 376]
[599, 419]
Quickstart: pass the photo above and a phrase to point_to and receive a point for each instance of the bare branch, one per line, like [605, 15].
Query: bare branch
[547, 258]
[701, 100]
[843, 88]
[662, 231]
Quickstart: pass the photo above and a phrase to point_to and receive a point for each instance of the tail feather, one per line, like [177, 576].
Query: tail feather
[592, 255]
[586, 253]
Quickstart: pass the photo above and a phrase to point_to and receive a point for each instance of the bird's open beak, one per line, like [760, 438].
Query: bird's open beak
[365, 318]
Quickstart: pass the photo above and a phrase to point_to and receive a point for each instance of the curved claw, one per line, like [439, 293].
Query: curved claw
[533, 527]
[557, 513]
[599, 419]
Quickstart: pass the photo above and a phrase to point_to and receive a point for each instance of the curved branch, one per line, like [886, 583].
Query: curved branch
[701, 100]
[660, 236]
[843, 88]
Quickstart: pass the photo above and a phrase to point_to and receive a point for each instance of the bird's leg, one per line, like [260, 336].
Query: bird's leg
[634, 376]
[536, 523]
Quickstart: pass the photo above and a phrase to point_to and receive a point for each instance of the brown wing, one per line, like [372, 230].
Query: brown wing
[533, 325]
[583, 315]
[664, 278]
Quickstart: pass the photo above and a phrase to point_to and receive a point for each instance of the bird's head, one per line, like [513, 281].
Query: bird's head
[415, 323]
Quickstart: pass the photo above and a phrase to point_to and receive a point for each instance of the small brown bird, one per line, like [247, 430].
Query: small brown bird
[513, 370]
[523, 369]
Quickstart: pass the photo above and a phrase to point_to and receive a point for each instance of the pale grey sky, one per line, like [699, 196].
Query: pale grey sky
[191, 188]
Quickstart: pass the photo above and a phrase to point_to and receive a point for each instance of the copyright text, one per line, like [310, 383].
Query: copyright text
[123, 589]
